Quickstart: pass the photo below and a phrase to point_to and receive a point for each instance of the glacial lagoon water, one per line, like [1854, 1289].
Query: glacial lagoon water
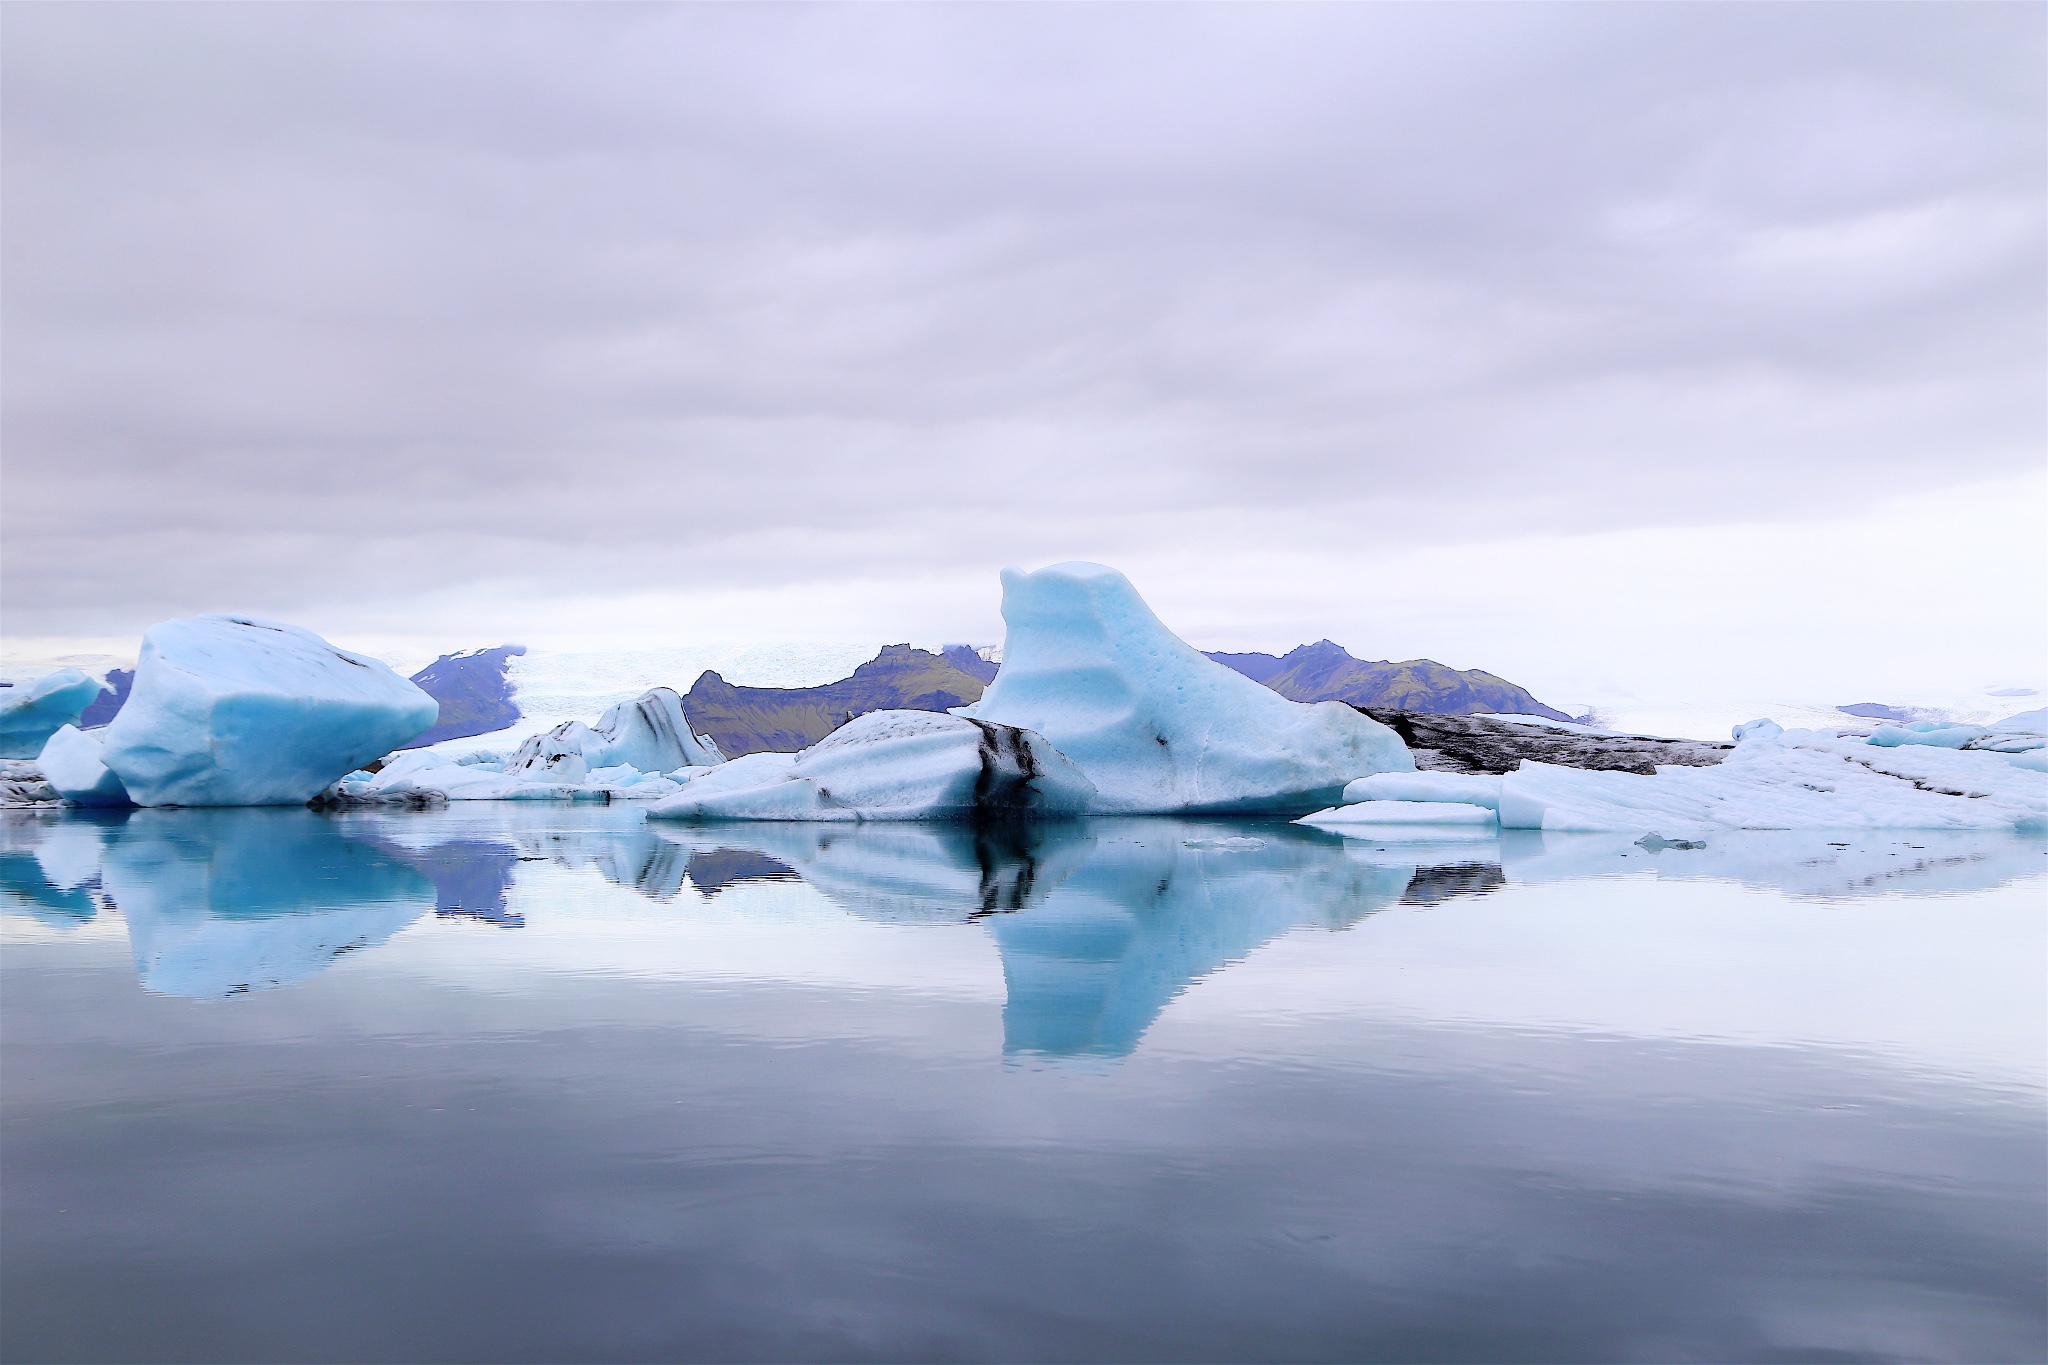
[517, 1082]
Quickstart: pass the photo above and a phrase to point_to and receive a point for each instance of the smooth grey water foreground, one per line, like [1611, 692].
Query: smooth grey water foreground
[545, 1083]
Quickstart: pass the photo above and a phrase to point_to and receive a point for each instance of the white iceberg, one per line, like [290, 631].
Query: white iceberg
[1402, 813]
[649, 734]
[1801, 780]
[1472, 789]
[1157, 727]
[74, 762]
[31, 712]
[422, 773]
[235, 711]
[892, 765]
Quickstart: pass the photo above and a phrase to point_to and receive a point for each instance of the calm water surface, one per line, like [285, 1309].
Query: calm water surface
[544, 1083]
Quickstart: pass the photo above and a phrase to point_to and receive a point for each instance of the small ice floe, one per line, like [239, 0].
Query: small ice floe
[892, 765]
[237, 711]
[1231, 845]
[1402, 813]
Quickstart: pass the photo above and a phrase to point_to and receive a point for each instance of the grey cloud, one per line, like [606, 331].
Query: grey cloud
[762, 294]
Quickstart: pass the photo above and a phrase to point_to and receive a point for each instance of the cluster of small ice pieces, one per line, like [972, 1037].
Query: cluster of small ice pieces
[1923, 776]
[1099, 710]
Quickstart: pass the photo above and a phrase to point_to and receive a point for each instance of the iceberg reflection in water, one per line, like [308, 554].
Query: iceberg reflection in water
[537, 1082]
[1098, 923]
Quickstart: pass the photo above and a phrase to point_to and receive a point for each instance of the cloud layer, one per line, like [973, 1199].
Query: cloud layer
[379, 310]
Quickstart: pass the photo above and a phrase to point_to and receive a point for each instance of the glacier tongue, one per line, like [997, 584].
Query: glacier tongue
[1156, 726]
[235, 711]
[892, 765]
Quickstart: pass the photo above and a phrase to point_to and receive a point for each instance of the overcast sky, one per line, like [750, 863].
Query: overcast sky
[1636, 339]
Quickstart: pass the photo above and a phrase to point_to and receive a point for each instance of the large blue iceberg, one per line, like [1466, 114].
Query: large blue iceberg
[235, 711]
[1156, 726]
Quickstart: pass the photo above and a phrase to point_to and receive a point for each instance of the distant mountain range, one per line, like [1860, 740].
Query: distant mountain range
[1325, 671]
[474, 691]
[751, 720]
[477, 697]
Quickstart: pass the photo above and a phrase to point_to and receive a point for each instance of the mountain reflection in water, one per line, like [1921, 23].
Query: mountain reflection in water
[1098, 923]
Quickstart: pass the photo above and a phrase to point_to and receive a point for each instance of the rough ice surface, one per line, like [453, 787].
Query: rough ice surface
[1156, 726]
[74, 762]
[2025, 723]
[421, 773]
[236, 711]
[1801, 780]
[1764, 728]
[31, 712]
[1477, 789]
[649, 734]
[1402, 813]
[892, 765]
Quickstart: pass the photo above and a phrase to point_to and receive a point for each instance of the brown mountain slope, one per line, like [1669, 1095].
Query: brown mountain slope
[1327, 672]
[752, 720]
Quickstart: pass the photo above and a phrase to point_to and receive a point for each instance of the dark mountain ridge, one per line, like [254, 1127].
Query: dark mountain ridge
[475, 692]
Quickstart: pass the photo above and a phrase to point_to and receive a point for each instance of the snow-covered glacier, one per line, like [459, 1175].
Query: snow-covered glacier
[1155, 725]
[237, 711]
[31, 712]
[892, 765]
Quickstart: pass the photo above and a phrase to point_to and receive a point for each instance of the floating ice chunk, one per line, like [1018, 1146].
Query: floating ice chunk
[624, 780]
[1762, 728]
[2015, 734]
[234, 711]
[650, 734]
[1472, 789]
[74, 762]
[1801, 780]
[1157, 727]
[560, 755]
[31, 712]
[892, 765]
[1401, 813]
[1234, 844]
[1934, 734]
[424, 773]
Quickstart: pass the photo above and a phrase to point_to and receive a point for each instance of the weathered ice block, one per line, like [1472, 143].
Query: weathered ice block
[31, 712]
[235, 711]
[74, 762]
[892, 765]
[1158, 727]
